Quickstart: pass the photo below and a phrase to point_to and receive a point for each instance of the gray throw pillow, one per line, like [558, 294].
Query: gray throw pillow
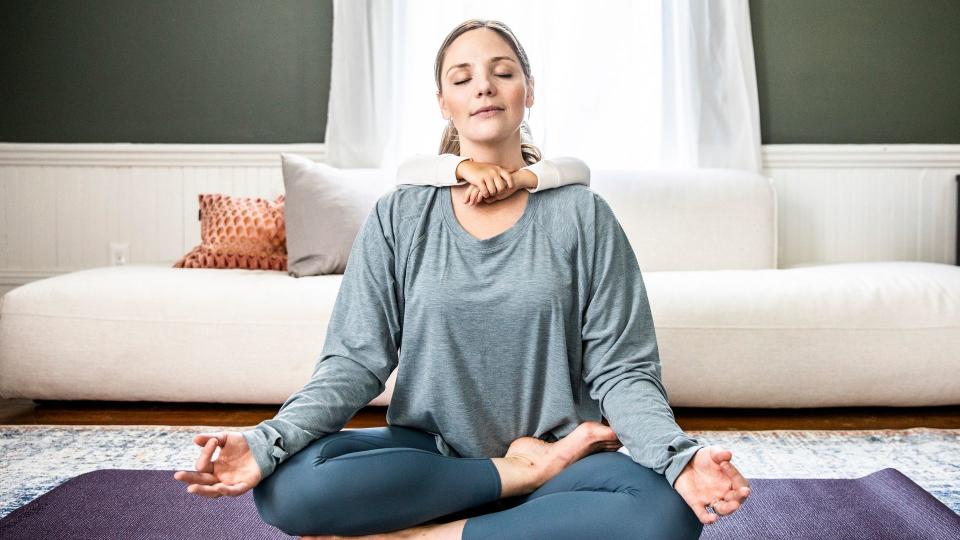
[324, 209]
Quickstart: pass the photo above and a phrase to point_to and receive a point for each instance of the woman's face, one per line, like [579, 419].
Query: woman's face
[479, 70]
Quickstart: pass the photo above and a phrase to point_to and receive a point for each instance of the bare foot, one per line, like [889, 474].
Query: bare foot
[531, 462]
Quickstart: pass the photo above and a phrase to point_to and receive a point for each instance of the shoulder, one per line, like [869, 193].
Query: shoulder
[401, 211]
[572, 216]
[574, 205]
[406, 198]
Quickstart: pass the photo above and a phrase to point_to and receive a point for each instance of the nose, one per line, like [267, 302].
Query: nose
[484, 86]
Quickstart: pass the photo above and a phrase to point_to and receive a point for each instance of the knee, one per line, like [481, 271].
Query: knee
[300, 503]
[674, 517]
[275, 508]
[283, 505]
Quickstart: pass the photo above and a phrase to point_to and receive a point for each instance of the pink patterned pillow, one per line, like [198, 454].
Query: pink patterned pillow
[239, 232]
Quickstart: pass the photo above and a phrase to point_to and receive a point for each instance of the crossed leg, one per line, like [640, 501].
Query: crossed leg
[371, 480]
[374, 480]
[603, 495]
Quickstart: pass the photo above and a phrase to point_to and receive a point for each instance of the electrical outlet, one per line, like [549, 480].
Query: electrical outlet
[119, 253]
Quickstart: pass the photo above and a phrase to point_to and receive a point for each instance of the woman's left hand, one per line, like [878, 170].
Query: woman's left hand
[710, 478]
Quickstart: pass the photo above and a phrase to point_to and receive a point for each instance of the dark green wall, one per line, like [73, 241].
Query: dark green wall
[165, 71]
[858, 71]
[251, 71]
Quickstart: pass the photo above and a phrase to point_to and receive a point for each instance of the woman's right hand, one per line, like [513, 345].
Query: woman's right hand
[233, 473]
[486, 180]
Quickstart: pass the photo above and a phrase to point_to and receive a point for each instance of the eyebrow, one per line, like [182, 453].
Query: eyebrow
[492, 60]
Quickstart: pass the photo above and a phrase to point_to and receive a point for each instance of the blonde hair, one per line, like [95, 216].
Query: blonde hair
[450, 141]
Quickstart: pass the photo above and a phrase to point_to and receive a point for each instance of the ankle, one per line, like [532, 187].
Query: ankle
[518, 475]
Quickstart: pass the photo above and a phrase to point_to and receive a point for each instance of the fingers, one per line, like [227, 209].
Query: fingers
[507, 178]
[719, 455]
[737, 488]
[705, 517]
[193, 477]
[736, 478]
[731, 501]
[218, 490]
[736, 495]
[500, 184]
[479, 187]
[725, 508]
[486, 186]
[492, 186]
[473, 195]
[234, 489]
[204, 462]
[201, 440]
[491, 189]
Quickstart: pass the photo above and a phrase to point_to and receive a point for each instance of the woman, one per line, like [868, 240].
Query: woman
[522, 322]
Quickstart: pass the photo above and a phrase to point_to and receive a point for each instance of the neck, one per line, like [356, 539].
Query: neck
[505, 153]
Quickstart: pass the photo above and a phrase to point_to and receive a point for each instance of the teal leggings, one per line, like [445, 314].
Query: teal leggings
[376, 480]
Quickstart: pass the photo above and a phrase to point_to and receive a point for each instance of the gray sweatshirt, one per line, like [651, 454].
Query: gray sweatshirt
[527, 333]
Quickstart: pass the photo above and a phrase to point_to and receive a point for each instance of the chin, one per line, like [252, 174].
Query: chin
[490, 134]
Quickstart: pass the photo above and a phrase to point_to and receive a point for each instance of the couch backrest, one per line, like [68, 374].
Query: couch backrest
[703, 219]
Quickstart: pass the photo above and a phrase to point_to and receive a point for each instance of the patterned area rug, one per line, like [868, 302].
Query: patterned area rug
[38, 458]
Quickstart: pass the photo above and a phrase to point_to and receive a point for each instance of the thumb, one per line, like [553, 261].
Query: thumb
[201, 440]
[719, 454]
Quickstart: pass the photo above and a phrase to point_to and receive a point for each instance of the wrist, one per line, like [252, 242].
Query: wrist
[528, 179]
[459, 170]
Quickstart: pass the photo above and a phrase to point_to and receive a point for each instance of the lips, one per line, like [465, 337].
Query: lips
[490, 108]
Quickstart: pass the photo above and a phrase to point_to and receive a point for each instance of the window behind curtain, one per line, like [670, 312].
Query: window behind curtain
[596, 68]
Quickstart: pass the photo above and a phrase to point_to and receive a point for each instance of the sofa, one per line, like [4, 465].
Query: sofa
[733, 329]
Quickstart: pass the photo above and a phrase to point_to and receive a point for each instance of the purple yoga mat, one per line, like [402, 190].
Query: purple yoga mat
[123, 503]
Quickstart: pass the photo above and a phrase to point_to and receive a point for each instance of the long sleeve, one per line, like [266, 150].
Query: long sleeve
[441, 170]
[559, 171]
[359, 353]
[621, 362]
[430, 170]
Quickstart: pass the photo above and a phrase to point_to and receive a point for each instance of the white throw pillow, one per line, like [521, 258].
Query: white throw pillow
[324, 210]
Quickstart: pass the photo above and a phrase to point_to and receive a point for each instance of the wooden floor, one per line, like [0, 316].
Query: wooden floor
[19, 411]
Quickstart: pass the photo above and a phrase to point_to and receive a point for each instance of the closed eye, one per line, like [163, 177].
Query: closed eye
[504, 76]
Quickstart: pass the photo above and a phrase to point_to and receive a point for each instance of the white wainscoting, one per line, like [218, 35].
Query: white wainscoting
[62, 204]
[846, 203]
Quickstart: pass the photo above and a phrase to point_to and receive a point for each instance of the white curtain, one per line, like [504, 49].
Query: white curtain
[619, 84]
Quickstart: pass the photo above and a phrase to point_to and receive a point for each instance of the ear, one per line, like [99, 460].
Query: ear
[530, 83]
[443, 108]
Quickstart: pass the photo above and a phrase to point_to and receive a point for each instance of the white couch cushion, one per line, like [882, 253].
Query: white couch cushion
[151, 332]
[852, 334]
[835, 335]
[707, 219]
